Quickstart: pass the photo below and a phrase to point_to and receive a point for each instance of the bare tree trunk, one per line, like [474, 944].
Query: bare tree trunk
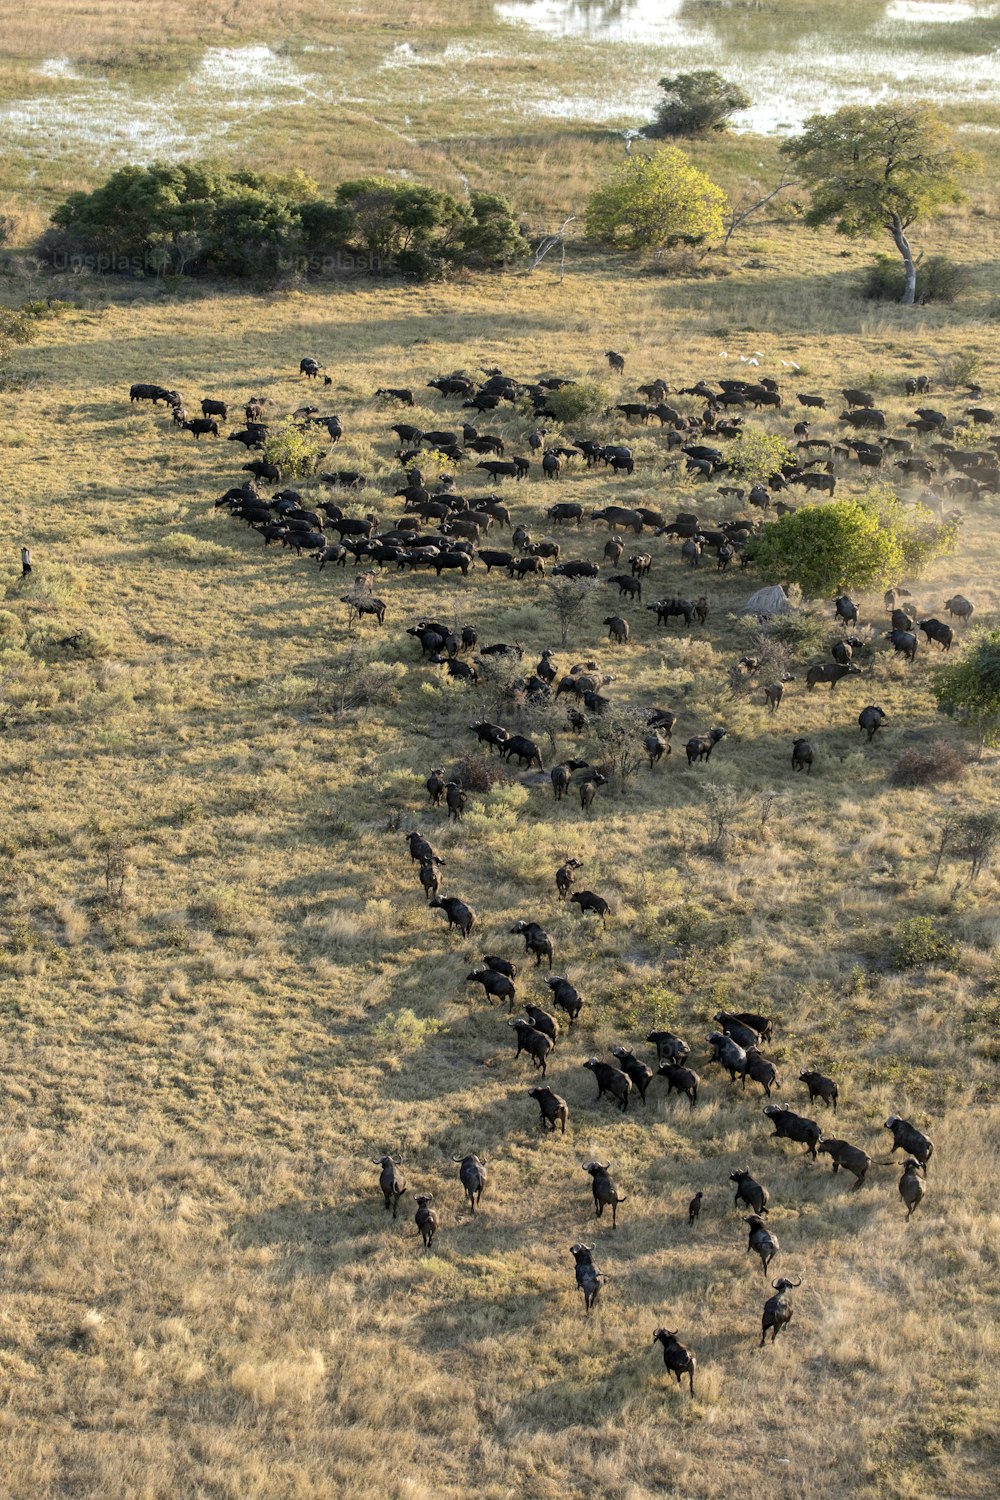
[903, 246]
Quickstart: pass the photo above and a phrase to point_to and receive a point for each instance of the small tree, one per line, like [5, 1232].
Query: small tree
[296, 450]
[694, 103]
[970, 688]
[620, 731]
[569, 598]
[757, 454]
[653, 202]
[862, 543]
[877, 169]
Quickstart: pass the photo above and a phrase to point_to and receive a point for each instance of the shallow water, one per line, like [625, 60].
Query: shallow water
[116, 124]
[791, 64]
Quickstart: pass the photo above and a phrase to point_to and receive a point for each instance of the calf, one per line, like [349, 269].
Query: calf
[426, 1219]
[605, 1190]
[565, 876]
[820, 1087]
[588, 790]
[777, 1309]
[561, 777]
[588, 1278]
[554, 1111]
[534, 1042]
[391, 1182]
[472, 1176]
[911, 1189]
[762, 1242]
[618, 629]
[678, 1359]
[684, 1080]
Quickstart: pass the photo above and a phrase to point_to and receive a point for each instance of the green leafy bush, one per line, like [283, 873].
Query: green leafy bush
[938, 280]
[862, 543]
[918, 941]
[654, 202]
[583, 398]
[296, 450]
[187, 217]
[694, 103]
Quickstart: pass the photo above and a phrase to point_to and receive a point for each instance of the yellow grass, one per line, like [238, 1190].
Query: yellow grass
[202, 1294]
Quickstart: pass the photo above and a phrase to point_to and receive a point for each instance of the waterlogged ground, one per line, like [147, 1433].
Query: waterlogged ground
[526, 64]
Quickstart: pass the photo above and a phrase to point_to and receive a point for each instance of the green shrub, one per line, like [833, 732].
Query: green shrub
[404, 1031]
[938, 280]
[185, 218]
[584, 398]
[297, 451]
[918, 941]
[694, 103]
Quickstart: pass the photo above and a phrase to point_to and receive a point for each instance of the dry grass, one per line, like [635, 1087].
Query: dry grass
[202, 1293]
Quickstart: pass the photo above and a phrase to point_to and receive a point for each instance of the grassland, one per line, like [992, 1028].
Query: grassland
[222, 992]
[202, 1294]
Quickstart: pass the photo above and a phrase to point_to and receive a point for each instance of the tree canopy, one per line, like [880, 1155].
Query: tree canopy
[194, 217]
[877, 169]
[652, 202]
[693, 103]
[862, 543]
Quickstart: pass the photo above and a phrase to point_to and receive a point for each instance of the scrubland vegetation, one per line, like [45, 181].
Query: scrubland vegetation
[223, 992]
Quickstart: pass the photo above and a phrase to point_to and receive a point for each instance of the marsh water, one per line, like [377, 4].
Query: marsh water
[586, 61]
[792, 60]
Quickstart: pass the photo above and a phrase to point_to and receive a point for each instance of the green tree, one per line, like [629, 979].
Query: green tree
[694, 103]
[877, 169]
[862, 543]
[651, 202]
[970, 687]
[757, 454]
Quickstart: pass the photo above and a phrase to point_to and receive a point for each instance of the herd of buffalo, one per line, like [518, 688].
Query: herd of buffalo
[441, 521]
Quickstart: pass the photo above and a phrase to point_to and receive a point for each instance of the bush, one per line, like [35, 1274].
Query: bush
[938, 280]
[655, 202]
[861, 543]
[757, 454]
[694, 103]
[584, 398]
[918, 941]
[476, 774]
[938, 762]
[187, 218]
[297, 451]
